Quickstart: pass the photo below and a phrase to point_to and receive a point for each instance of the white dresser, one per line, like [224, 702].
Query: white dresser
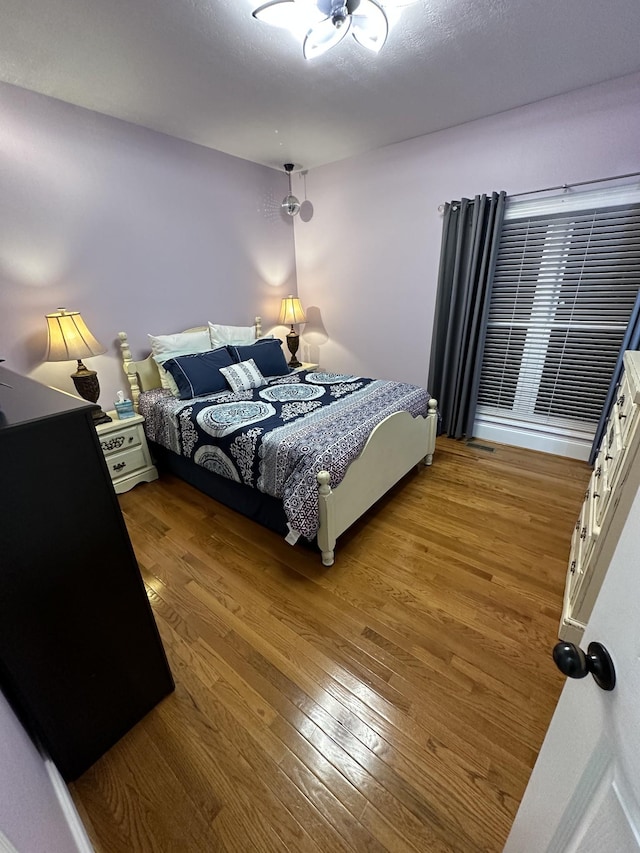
[612, 487]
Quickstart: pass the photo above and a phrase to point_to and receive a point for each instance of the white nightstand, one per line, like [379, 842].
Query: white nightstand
[125, 449]
[306, 365]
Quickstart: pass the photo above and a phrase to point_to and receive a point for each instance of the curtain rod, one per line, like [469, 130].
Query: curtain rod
[566, 186]
[577, 184]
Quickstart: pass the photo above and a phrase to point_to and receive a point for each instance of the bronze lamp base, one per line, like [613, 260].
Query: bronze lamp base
[88, 387]
[293, 341]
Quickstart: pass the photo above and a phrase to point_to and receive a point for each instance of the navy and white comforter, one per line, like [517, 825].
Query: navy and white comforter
[278, 437]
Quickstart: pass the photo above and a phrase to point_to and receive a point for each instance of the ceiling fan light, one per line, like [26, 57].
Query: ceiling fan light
[293, 15]
[328, 6]
[323, 37]
[370, 26]
[278, 13]
[322, 24]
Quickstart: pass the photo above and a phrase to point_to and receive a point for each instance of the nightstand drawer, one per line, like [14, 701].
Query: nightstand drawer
[126, 452]
[119, 440]
[123, 464]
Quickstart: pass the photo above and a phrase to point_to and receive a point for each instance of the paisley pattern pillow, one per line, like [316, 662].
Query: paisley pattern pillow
[243, 376]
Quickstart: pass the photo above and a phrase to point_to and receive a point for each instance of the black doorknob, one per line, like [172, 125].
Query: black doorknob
[572, 661]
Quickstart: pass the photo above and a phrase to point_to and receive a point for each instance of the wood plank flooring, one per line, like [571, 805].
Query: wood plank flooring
[395, 701]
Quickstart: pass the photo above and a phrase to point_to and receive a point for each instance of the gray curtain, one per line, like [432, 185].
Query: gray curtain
[470, 237]
[631, 340]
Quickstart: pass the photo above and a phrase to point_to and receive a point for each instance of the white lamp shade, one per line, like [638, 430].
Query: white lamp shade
[291, 311]
[69, 337]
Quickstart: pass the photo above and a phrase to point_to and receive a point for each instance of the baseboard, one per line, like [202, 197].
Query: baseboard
[574, 448]
[5, 845]
[67, 806]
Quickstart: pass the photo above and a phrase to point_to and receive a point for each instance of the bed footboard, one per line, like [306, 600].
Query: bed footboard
[393, 448]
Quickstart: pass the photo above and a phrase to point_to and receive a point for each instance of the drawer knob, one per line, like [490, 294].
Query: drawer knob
[119, 466]
[621, 400]
[574, 663]
[583, 533]
[573, 567]
[598, 471]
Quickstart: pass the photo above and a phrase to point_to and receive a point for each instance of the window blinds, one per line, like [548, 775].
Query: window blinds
[564, 287]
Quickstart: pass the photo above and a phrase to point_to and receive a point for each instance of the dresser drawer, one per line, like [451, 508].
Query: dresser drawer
[577, 562]
[626, 409]
[601, 488]
[574, 563]
[119, 440]
[613, 447]
[123, 464]
[614, 483]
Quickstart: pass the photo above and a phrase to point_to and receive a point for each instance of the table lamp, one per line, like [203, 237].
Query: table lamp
[291, 311]
[70, 339]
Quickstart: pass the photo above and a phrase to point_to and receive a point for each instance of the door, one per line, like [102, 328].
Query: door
[584, 792]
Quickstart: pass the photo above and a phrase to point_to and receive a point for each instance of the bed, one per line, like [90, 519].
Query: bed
[309, 451]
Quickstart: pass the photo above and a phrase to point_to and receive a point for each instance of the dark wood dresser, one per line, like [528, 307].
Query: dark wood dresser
[81, 659]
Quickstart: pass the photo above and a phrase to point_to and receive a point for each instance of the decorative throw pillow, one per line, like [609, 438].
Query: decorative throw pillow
[166, 379]
[240, 335]
[164, 347]
[243, 376]
[199, 373]
[267, 354]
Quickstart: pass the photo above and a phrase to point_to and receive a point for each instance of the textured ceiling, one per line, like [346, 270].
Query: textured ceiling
[206, 71]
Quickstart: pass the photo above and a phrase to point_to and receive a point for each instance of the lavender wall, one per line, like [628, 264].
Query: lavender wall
[137, 230]
[367, 262]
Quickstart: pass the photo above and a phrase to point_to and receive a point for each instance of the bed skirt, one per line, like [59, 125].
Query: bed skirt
[259, 507]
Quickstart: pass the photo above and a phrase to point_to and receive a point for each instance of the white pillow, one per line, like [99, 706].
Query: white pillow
[164, 347]
[243, 376]
[183, 343]
[238, 336]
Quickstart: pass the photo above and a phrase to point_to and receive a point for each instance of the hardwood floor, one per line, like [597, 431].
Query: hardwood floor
[395, 701]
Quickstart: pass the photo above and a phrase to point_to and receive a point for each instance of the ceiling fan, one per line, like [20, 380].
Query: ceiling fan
[325, 23]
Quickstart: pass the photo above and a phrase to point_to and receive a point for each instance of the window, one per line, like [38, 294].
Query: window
[566, 280]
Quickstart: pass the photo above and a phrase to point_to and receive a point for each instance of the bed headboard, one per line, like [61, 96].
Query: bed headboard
[143, 375]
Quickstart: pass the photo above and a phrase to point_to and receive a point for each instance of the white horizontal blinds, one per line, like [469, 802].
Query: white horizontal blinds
[564, 287]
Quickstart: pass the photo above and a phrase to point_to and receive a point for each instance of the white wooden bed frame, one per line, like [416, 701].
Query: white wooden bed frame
[393, 448]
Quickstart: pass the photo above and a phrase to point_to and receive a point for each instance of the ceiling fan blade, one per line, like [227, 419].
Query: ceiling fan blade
[370, 26]
[323, 36]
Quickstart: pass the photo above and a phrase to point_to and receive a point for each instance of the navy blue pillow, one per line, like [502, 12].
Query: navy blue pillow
[199, 373]
[267, 354]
